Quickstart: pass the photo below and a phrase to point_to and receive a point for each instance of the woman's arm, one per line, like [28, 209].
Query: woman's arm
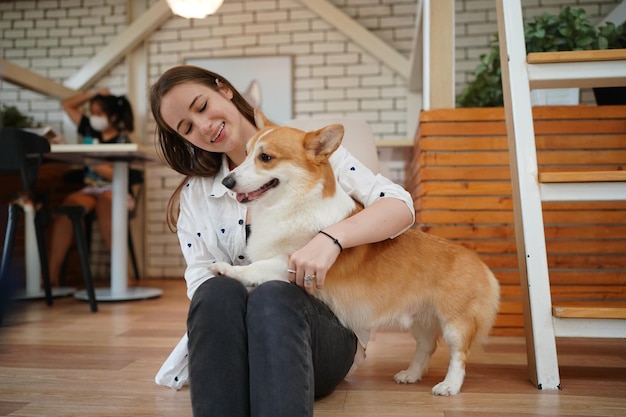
[388, 212]
[72, 105]
[385, 218]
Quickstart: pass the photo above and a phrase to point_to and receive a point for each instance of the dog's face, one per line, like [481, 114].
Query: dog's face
[284, 162]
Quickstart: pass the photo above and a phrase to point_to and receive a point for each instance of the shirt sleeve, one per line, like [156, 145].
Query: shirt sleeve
[365, 186]
[198, 244]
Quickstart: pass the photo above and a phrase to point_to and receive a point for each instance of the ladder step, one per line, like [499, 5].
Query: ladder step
[589, 312]
[600, 68]
[576, 56]
[582, 176]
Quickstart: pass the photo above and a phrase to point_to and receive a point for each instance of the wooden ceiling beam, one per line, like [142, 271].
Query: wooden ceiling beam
[123, 43]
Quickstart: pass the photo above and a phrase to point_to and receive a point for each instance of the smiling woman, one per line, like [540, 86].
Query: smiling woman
[239, 357]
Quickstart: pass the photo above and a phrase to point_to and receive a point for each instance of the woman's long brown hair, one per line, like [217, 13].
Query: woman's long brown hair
[177, 152]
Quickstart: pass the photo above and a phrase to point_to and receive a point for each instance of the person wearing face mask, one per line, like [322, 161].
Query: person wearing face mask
[110, 120]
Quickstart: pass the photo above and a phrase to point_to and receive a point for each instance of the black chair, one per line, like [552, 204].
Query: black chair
[83, 222]
[76, 215]
[22, 152]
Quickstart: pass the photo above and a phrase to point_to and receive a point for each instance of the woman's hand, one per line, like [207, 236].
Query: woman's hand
[313, 260]
[381, 220]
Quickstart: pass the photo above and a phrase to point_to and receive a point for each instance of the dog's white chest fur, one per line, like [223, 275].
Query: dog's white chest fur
[284, 228]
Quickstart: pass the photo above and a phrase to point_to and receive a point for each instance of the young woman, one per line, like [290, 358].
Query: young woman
[110, 120]
[272, 350]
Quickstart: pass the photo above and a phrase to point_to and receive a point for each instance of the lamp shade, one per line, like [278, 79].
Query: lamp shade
[194, 9]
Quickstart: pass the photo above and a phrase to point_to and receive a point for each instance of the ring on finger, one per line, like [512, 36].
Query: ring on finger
[308, 279]
[291, 271]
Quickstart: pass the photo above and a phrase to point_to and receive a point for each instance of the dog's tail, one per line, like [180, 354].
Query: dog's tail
[490, 309]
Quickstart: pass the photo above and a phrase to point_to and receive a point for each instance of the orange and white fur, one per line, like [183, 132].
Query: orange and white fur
[415, 281]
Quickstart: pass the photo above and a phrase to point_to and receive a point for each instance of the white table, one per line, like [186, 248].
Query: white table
[120, 154]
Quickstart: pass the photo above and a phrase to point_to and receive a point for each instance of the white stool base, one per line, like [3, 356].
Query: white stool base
[134, 293]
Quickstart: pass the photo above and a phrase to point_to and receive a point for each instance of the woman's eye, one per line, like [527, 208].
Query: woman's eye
[265, 157]
[189, 128]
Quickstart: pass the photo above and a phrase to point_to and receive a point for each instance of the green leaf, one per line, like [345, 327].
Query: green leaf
[11, 116]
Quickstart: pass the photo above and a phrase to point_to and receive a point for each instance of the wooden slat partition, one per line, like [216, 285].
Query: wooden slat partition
[460, 181]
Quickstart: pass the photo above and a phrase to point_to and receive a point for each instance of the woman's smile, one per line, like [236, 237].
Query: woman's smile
[219, 135]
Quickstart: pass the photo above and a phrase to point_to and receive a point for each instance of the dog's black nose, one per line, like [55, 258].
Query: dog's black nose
[229, 182]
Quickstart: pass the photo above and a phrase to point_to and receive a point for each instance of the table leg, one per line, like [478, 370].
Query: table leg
[119, 226]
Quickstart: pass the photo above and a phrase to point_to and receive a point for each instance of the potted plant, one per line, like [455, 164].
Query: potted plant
[10, 116]
[571, 30]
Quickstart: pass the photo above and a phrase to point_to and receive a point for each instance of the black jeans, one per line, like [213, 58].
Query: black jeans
[267, 353]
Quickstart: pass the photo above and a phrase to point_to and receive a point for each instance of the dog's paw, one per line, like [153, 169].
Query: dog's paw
[407, 377]
[222, 269]
[444, 389]
[238, 272]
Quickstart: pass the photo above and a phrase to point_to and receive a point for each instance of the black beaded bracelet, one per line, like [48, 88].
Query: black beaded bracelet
[335, 241]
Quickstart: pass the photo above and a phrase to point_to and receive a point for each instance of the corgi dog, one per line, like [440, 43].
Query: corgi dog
[414, 281]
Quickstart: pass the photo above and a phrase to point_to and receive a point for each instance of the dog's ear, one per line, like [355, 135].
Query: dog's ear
[325, 141]
[260, 120]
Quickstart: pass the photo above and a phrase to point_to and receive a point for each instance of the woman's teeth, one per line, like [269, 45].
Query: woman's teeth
[217, 135]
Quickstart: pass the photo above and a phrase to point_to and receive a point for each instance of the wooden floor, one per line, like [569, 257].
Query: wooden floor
[65, 361]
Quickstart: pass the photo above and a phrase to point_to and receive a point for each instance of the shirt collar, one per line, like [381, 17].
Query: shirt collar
[218, 189]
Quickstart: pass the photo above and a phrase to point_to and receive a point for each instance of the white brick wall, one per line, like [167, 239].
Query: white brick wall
[332, 76]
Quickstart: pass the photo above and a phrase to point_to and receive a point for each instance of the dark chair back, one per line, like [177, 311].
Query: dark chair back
[21, 151]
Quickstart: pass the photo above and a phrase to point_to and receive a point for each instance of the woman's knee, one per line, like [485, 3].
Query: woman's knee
[276, 297]
[218, 294]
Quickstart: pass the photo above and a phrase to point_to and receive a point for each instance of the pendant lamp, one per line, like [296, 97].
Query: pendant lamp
[194, 9]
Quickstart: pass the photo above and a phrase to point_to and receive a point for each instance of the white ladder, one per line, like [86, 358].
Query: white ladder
[521, 73]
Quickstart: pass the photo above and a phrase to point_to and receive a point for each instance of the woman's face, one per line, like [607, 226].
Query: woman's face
[205, 117]
[95, 109]
[99, 120]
